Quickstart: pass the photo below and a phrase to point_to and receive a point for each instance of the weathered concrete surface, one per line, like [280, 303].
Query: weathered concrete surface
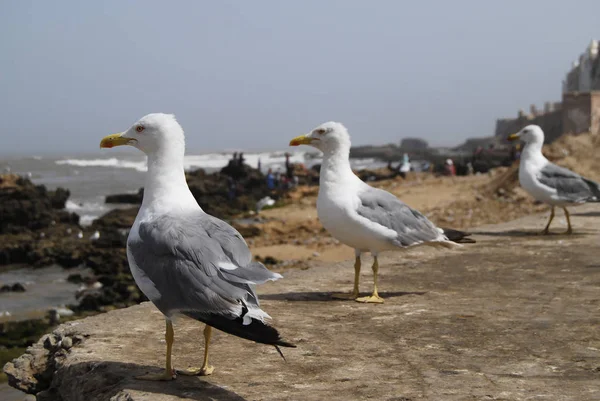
[513, 317]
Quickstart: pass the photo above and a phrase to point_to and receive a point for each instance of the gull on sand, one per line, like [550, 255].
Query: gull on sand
[366, 218]
[184, 260]
[549, 183]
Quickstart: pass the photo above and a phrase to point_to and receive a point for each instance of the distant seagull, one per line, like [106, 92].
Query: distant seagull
[184, 260]
[365, 218]
[69, 231]
[266, 201]
[95, 236]
[80, 234]
[549, 183]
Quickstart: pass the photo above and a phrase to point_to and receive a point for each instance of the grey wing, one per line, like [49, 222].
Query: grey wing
[233, 245]
[385, 209]
[569, 185]
[194, 265]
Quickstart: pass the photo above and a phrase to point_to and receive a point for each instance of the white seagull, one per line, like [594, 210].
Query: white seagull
[184, 260]
[549, 183]
[365, 218]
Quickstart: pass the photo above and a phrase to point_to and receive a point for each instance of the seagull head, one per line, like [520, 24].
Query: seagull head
[326, 137]
[151, 134]
[529, 134]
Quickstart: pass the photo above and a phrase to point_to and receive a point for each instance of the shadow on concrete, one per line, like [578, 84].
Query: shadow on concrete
[328, 296]
[552, 235]
[590, 214]
[105, 380]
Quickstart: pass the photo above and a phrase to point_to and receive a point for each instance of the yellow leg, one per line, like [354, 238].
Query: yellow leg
[545, 231]
[354, 293]
[374, 298]
[205, 370]
[569, 229]
[168, 374]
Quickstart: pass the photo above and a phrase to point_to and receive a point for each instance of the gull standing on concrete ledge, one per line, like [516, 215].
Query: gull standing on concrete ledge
[366, 218]
[184, 260]
[549, 183]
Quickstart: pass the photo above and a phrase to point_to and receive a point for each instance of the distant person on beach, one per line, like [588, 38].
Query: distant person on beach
[449, 168]
[258, 167]
[231, 185]
[270, 179]
[289, 171]
[241, 159]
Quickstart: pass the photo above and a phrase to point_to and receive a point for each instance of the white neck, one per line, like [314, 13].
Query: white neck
[532, 158]
[166, 187]
[336, 167]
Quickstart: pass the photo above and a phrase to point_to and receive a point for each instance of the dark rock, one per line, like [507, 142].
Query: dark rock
[135, 198]
[75, 278]
[16, 287]
[116, 218]
[25, 206]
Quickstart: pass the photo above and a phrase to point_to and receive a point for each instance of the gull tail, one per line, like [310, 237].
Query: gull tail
[595, 190]
[460, 237]
[256, 330]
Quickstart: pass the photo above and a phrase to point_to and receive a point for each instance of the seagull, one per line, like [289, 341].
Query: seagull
[549, 183]
[266, 201]
[184, 260]
[95, 236]
[365, 218]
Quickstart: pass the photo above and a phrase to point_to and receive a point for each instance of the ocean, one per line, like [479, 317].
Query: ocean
[90, 178]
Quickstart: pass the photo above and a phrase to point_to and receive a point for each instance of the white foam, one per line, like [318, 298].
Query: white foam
[88, 211]
[211, 161]
[111, 162]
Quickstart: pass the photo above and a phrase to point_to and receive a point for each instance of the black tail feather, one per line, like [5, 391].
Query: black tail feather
[255, 331]
[594, 188]
[460, 237]
[280, 353]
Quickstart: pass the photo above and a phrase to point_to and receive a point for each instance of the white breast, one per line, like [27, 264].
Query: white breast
[337, 212]
[529, 171]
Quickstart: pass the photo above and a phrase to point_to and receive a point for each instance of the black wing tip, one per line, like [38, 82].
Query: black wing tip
[256, 331]
[283, 343]
[460, 237]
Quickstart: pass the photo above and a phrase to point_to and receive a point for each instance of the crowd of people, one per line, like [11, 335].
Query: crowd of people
[278, 180]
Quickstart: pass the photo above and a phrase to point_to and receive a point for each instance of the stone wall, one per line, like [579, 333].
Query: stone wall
[579, 112]
[550, 121]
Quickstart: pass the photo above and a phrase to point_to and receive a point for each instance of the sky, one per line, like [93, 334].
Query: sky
[253, 74]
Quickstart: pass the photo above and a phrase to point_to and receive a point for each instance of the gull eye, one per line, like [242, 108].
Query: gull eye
[321, 131]
[139, 128]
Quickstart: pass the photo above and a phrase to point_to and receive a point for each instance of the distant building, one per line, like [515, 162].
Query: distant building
[584, 75]
[414, 144]
[579, 110]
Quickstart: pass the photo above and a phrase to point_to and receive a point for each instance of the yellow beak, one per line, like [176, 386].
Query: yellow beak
[301, 140]
[115, 140]
[513, 137]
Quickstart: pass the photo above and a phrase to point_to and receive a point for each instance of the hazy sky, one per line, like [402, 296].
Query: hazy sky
[253, 74]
